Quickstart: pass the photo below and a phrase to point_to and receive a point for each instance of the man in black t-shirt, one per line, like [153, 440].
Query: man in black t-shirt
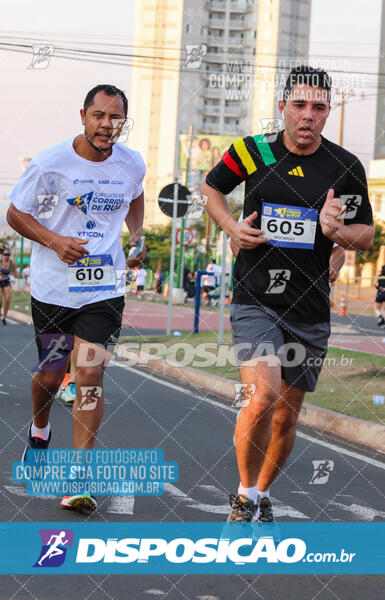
[303, 195]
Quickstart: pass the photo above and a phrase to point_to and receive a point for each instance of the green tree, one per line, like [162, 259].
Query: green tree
[158, 244]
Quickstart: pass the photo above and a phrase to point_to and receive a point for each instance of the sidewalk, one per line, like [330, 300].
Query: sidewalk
[151, 315]
[361, 343]
[358, 300]
[140, 315]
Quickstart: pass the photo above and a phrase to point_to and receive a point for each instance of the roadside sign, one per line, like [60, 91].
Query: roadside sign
[166, 200]
[188, 236]
[26, 260]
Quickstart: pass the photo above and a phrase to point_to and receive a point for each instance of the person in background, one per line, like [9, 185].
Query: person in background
[204, 159]
[140, 281]
[158, 280]
[210, 282]
[26, 272]
[379, 307]
[7, 266]
[186, 280]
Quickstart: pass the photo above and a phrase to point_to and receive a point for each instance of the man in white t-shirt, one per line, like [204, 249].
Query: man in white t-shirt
[72, 202]
[210, 282]
[141, 281]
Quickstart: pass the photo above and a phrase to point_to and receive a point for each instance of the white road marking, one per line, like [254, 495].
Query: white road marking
[4, 393]
[334, 447]
[154, 592]
[367, 459]
[121, 505]
[363, 513]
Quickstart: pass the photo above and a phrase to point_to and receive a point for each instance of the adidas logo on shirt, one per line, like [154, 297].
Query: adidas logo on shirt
[297, 171]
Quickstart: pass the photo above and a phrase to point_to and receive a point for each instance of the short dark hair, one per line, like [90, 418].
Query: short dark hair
[110, 90]
[304, 74]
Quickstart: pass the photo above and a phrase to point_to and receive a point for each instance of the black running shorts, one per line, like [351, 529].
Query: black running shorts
[99, 322]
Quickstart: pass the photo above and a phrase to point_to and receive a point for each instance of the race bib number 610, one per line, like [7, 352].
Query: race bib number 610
[289, 226]
[92, 273]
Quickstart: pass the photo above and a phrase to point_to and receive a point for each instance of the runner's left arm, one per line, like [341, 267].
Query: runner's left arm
[134, 222]
[134, 219]
[135, 214]
[350, 223]
[337, 260]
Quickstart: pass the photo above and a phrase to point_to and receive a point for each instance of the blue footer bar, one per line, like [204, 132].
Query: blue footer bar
[200, 548]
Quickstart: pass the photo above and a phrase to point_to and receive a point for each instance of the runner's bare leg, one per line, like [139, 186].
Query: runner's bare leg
[86, 422]
[7, 301]
[283, 427]
[253, 427]
[45, 384]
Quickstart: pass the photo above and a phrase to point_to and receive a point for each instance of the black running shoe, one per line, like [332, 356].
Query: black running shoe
[244, 510]
[4, 322]
[35, 443]
[380, 321]
[266, 511]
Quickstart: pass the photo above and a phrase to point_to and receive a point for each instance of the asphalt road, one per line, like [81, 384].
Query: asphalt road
[196, 431]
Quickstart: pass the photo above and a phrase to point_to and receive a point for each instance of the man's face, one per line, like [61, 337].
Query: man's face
[305, 112]
[103, 121]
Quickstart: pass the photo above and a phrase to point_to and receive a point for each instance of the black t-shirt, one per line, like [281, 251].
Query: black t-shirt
[290, 274]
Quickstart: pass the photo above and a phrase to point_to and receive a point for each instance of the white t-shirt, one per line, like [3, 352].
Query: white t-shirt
[77, 197]
[213, 280]
[141, 277]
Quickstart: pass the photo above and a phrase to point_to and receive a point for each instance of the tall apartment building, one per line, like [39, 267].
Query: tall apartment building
[250, 47]
[153, 101]
[246, 47]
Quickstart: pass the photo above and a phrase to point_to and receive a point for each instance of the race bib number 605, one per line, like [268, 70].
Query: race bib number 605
[92, 273]
[289, 226]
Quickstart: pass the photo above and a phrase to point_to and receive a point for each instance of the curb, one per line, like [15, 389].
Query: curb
[19, 316]
[352, 429]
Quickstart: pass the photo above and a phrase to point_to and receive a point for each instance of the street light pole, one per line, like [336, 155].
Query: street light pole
[24, 161]
[190, 138]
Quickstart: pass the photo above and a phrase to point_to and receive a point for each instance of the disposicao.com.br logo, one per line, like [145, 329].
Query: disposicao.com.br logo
[54, 547]
[204, 550]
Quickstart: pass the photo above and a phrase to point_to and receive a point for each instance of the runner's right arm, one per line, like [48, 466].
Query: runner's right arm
[221, 180]
[24, 208]
[68, 249]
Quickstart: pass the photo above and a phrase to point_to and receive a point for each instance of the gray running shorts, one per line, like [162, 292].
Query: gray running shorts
[301, 347]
